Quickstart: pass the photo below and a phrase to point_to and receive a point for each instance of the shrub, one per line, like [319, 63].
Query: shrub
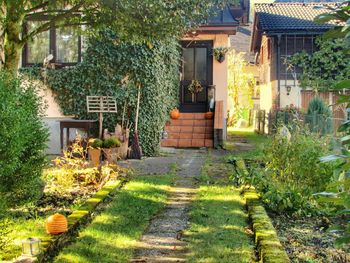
[23, 138]
[111, 142]
[96, 143]
[319, 117]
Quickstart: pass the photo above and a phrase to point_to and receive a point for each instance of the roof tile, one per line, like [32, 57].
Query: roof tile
[290, 16]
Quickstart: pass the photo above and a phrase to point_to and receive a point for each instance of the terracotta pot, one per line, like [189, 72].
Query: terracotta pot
[175, 114]
[95, 155]
[209, 115]
[56, 224]
[112, 154]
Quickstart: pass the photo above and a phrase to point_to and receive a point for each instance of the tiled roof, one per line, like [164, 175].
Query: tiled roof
[290, 16]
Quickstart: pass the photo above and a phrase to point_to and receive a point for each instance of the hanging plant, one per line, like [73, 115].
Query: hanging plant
[195, 87]
[219, 53]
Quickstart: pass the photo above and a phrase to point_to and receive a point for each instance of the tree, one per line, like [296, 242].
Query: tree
[133, 19]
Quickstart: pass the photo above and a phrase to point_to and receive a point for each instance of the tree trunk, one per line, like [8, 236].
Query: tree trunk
[12, 47]
[11, 42]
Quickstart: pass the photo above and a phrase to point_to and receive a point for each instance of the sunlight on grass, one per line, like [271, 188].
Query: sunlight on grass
[217, 227]
[113, 235]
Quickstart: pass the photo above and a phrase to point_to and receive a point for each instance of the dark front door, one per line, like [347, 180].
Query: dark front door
[197, 64]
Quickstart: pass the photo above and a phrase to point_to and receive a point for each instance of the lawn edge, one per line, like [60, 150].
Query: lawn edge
[51, 245]
[269, 247]
[265, 236]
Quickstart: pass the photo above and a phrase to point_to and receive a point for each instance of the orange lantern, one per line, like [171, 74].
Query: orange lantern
[175, 114]
[56, 224]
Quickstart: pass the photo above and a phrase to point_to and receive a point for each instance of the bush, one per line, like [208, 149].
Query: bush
[96, 143]
[319, 117]
[111, 142]
[23, 138]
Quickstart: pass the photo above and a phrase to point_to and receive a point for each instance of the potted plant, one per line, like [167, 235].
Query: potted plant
[219, 53]
[110, 149]
[195, 86]
[94, 151]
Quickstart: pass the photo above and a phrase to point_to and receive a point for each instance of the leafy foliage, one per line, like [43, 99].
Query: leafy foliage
[135, 21]
[23, 141]
[290, 174]
[339, 191]
[322, 69]
[111, 68]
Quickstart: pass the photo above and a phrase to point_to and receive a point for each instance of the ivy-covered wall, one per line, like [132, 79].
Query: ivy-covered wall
[112, 68]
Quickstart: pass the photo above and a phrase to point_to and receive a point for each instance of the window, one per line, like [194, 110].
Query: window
[63, 43]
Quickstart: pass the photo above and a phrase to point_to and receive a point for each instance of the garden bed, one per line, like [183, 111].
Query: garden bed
[308, 239]
[29, 221]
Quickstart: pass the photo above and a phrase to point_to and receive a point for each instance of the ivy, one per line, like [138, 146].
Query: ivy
[325, 67]
[111, 68]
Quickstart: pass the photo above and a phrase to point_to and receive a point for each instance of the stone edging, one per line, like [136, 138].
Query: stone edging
[265, 236]
[51, 245]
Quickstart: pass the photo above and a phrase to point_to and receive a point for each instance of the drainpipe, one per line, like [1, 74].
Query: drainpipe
[279, 36]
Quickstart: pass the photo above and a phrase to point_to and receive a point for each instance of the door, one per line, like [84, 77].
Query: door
[197, 64]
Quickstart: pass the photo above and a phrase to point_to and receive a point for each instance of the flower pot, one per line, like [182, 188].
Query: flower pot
[175, 114]
[95, 155]
[221, 58]
[112, 154]
[209, 115]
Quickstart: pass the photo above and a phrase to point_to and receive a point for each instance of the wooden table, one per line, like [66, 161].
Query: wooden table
[76, 124]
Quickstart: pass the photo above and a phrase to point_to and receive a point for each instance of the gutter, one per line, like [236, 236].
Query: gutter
[279, 36]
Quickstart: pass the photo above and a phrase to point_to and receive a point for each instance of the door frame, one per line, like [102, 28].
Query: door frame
[197, 107]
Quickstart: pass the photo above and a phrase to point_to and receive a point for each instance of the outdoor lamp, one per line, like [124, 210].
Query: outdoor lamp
[211, 97]
[31, 247]
[288, 89]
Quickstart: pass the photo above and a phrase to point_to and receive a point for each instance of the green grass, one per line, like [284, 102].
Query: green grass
[218, 221]
[112, 236]
[257, 140]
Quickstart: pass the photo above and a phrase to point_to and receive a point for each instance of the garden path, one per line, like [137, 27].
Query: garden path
[162, 242]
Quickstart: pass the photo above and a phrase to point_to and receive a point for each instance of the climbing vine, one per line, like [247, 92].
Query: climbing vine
[111, 68]
[322, 69]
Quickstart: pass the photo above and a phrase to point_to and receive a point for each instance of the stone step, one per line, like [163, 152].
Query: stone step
[192, 116]
[189, 129]
[190, 122]
[189, 135]
[187, 143]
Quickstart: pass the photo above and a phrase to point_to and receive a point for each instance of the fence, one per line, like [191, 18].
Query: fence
[316, 122]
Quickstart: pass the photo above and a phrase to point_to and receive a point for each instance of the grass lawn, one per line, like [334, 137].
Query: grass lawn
[257, 140]
[218, 220]
[112, 236]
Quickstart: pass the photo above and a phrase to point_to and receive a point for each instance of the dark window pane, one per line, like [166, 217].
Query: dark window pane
[67, 45]
[39, 48]
[201, 63]
[188, 57]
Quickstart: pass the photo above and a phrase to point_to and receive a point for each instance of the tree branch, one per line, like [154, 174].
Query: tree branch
[38, 7]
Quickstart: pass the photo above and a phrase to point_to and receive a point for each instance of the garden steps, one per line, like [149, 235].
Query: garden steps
[191, 130]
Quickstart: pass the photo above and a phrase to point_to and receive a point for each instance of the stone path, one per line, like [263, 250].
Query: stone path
[162, 240]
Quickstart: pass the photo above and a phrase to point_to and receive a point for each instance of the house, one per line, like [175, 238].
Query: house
[279, 31]
[198, 63]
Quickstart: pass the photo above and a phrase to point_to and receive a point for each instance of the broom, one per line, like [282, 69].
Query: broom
[136, 152]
